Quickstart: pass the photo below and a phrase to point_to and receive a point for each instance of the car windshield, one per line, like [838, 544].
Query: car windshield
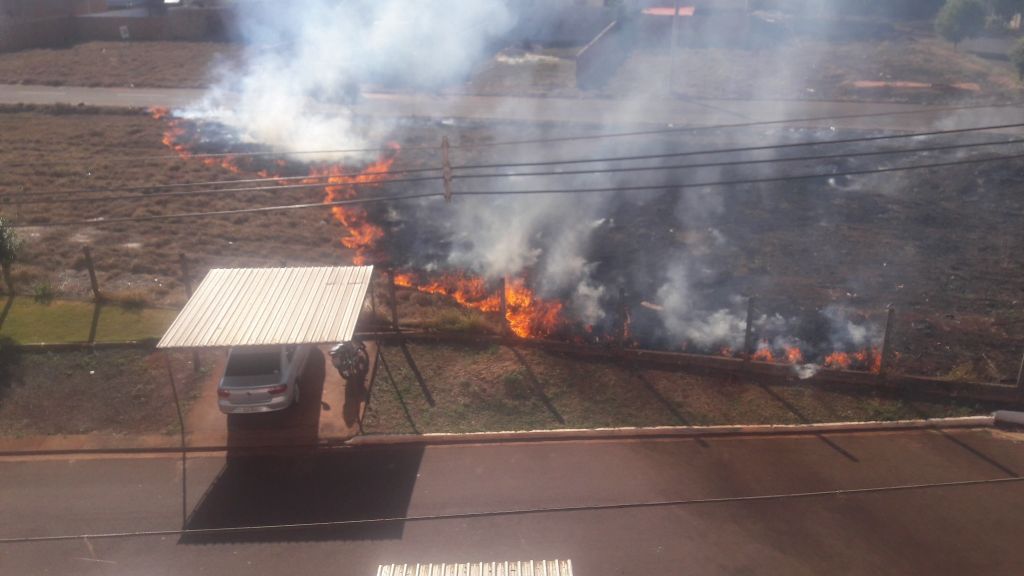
[253, 364]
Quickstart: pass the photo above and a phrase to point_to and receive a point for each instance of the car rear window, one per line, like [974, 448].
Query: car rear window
[253, 364]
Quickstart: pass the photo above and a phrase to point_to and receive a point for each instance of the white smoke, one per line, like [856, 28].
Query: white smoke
[306, 59]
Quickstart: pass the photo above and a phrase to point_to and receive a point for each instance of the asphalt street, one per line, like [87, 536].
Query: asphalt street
[971, 529]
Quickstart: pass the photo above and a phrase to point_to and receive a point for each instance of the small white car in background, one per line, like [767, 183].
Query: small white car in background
[261, 379]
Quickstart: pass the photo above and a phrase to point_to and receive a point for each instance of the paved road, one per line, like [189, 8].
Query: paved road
[952, 530]
[591, 111]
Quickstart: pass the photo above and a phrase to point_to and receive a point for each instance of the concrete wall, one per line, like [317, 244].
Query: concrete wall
[41, 23]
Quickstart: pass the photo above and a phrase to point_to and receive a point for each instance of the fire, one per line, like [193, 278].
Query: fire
[794, 355]
[763, 353]
[840, 360]
[340, 185]
[466, 290]
[527, 315]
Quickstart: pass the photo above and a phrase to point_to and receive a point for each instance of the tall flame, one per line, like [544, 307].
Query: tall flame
[340, 185]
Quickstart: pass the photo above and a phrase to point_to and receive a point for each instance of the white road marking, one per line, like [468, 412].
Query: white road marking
[503, 568]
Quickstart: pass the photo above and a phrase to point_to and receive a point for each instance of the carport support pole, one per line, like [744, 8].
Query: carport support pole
[883, 366]
[186, 281]
[672, 50]
[92, 274]
[748, 340]
[181, 429]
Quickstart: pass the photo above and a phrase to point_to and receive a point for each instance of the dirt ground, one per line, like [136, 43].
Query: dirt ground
[133, 64]
[804, 67]
[501, 388]
[110, 391]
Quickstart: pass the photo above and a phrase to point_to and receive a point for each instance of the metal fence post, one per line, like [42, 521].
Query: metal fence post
[186, 281]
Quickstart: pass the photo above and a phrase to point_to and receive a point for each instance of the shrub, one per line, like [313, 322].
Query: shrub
[1017, 58]
[961, 19]
[43, 293]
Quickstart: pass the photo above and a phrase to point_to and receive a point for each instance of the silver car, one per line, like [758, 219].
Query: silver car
[261, 379]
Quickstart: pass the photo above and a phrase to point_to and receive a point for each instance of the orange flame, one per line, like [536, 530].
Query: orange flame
[527, 315]
[763, 353]
[794, 355]
[362, 235]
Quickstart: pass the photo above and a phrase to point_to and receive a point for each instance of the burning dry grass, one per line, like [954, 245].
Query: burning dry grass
[492, 388]
[796, 248]
[53, 149]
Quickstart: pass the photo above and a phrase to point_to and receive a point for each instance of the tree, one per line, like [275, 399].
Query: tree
[1017, 58]
[9, 246]
[961, 19]
[1006, 8]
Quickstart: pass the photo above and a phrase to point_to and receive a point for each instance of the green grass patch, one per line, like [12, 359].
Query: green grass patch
[62, 321]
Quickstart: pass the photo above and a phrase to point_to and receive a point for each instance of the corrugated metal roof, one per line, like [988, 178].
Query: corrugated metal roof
[271, 306]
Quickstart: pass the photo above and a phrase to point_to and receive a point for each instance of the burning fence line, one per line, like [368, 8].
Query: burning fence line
[524, 312]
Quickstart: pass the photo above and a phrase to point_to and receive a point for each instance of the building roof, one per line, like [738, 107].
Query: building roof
[271, 306]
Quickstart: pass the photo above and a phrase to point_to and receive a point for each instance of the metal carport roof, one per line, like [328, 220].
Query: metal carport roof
[271, 306]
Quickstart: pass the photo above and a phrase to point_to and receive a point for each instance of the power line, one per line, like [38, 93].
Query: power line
[748, 162]
[34, 199]
[143, 188]
[740, 182]
[748, 148]
[223, 191]
[259, 210]
[524, 511]
[582, 137]
[267, 209]
[59, 193]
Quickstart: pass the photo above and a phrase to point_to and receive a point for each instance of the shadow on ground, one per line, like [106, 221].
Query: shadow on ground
[288, 489]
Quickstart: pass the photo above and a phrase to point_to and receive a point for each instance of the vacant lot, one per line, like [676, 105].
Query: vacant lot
[112, 391]
[135, 64]
[811, 64]
[489, 388]
[939, 245]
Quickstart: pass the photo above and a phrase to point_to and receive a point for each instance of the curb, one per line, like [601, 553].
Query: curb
[672, 432]
[564, 435]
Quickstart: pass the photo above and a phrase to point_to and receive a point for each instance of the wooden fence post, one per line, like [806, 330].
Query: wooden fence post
[92, 274]
[883, 366]
[1020, 375]
[394, 299]
[502, 288]
[748, 340]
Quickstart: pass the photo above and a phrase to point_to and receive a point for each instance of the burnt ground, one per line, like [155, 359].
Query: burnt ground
[940, 245]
